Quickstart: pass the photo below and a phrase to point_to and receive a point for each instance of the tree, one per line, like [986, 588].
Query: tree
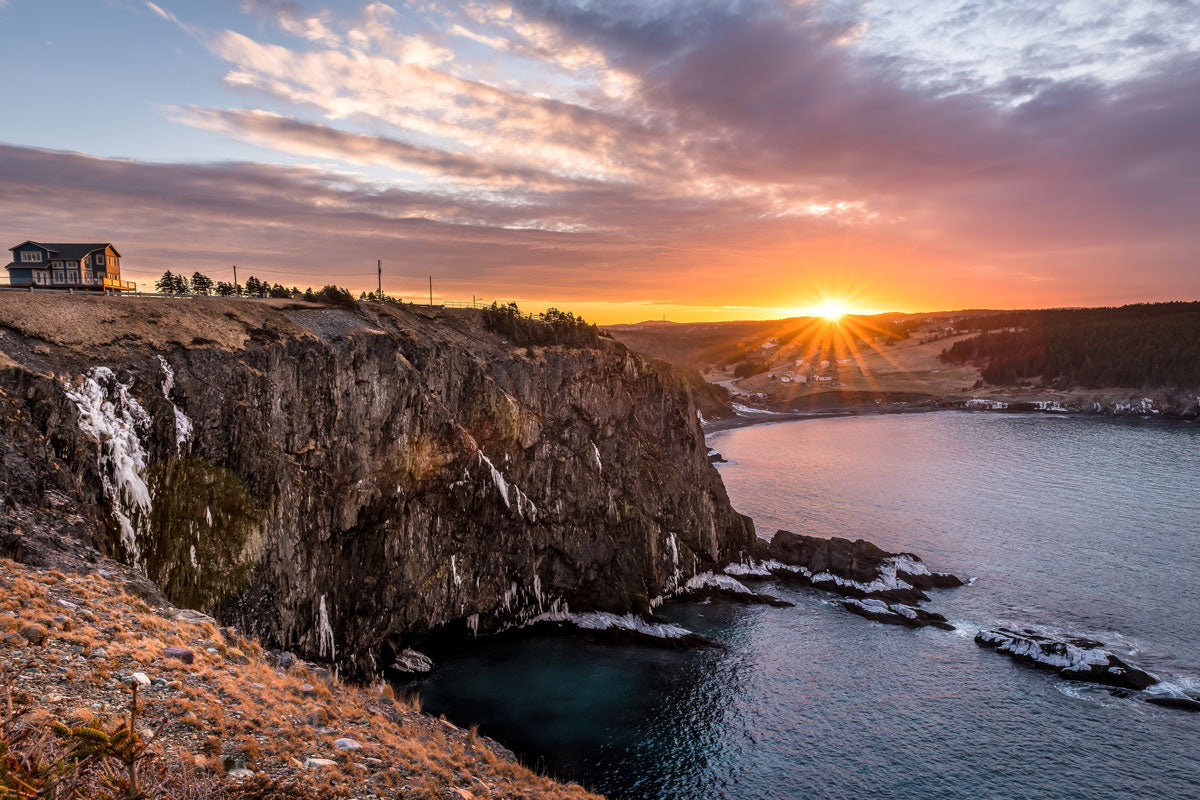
[309, 295]
[279, 291]
[226, 289]
[165, 284]
[182, 286]
[253, 287]
[201, 284]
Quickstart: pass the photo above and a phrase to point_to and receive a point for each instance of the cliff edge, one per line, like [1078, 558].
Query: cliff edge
[337, 480]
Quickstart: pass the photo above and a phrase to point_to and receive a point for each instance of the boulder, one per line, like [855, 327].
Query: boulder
[412, 661]
[180, 654]
[34, 633]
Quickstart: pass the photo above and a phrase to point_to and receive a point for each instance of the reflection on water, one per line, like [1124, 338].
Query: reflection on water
[1080, 524]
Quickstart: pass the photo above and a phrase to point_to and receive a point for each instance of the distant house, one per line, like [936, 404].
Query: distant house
[59, 265]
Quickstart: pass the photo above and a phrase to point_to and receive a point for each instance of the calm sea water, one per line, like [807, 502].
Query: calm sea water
[1081, 525]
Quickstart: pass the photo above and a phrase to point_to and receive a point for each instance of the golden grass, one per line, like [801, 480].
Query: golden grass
[232, 702]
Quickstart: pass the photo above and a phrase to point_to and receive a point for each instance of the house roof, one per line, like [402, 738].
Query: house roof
[69, 250]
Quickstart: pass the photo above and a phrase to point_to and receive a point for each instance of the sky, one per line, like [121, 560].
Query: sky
[679, 159]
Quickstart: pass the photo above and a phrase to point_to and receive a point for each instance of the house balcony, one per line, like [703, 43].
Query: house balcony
[87, 282]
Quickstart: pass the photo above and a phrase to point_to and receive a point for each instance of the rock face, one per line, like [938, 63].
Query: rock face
[344, 479]
[856, 568]
[1073, 658]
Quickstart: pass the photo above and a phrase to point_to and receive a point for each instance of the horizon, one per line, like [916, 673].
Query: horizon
[704, 161]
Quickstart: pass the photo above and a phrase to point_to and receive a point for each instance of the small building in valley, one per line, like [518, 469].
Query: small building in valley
[67, 265]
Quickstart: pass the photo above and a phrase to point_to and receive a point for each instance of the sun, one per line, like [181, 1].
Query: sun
[832, 310]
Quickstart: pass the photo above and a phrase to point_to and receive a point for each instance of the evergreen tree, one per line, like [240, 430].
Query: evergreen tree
[201, 284]
[225, 289]
[182, 286]
[253, 286]
[309, 295]
[165, 284]
[279, 291]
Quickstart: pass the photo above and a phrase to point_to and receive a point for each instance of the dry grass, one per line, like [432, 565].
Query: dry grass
[87, 324]
[231, 706]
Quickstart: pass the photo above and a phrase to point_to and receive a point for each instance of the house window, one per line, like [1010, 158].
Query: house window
[58, 276]
[41, 277]
[99, 259]
[31, 255]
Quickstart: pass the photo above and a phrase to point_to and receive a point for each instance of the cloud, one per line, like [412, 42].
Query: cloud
[715, 153]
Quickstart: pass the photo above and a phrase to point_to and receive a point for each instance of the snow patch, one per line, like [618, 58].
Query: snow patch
[111, 416]
[601, 621]
[325, 632]
[987, 405]
[765, 569]
[596, 455]
[709, 580]
[183, 425]
[743, 410]
[510, 492]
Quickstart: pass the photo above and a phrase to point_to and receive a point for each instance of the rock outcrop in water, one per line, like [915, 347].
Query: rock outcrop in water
[855, 568]
[1071, 657]
[895, 613]
[337, 480]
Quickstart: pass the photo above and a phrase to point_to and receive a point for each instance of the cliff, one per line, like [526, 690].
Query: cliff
[338, 480]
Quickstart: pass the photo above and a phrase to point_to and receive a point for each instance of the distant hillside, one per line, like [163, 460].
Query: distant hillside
[1149, 345]
[698, 345]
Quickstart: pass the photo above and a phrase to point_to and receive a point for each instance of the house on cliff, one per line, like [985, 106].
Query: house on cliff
[67, 265]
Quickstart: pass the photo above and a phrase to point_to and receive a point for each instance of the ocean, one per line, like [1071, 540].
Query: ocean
[1069, 524]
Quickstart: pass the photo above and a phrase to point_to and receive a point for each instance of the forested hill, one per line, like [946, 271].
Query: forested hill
[1150, 345]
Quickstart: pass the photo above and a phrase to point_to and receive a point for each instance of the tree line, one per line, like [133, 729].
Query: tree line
[550, 327]
[203, 286]
[1146, 345]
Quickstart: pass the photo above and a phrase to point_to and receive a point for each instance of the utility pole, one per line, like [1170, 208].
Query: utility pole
[235, 274]
[431, 291]
[379, 269]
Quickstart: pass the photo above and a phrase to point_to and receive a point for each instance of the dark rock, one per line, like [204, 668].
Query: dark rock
[180, 654]
[1073, 658]
[895, 613]
[34, 633]
[1170, 701]
[855, 568]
